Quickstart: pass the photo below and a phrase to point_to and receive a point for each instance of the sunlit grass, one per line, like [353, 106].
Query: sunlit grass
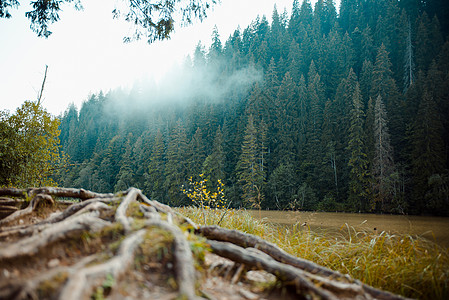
[403, 264]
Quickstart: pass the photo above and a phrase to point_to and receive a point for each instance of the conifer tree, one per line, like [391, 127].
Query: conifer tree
[196, 153]
[214, 164]
[251, 175]
[284, 131]
[427, 155]
[409, 63]
[315, 118]
[215, 50]
[383, 164]
[125, 175]
[358, 160]
[384, 85]
[176, 166]
[154, 184]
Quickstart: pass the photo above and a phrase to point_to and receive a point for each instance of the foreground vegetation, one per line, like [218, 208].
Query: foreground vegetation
[403, 264]
[124, 245]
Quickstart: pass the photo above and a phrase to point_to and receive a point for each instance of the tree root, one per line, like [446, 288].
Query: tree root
[28, 289]
[32, 206]
[127, 230]
[284, 272]
[247, 240]
[183, 260]
[62, 230]
[54, 191]
[120, 214]
[81, 284]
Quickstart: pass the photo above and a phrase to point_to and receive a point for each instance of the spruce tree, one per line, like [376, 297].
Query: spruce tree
[250, 173]
[154, 184]
[125, 177]
[196, 153]
[176, 165]
[358, 160]
[428, 153]
[214, 164]
[383, 164]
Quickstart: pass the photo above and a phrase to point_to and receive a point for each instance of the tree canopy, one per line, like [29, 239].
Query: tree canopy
[151, 20]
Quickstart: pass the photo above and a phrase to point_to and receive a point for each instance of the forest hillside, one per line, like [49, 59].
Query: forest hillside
[313, 110]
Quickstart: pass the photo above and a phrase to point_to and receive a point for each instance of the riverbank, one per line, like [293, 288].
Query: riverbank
[401, 263]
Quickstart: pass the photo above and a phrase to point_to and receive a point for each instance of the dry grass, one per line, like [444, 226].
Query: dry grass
[403, 264]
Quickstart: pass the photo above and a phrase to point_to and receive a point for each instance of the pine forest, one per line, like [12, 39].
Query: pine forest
[317, 109]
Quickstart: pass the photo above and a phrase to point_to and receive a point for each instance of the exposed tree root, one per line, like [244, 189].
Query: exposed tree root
[120, 213]
[54, 191]
[248, 240]
[62, 230]
[81, 284]
[126, 227]
[32, 206]
[28, 289]
[184, 269]
[284, 272]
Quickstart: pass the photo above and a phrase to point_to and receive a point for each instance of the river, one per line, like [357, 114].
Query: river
[433, 228]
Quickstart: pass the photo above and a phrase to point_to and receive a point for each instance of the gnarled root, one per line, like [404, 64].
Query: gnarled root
[32, 206]
[183, 260]
[333, 280]
[122, 226]
[81, 284]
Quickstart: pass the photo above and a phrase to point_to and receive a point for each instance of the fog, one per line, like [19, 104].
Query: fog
[184, 85]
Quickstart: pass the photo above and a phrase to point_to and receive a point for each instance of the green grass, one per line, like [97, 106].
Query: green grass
[403, 264]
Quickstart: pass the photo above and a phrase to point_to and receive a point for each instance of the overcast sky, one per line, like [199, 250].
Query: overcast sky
[85, 54]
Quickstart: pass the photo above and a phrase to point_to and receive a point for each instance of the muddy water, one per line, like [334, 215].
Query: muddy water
[433, 228]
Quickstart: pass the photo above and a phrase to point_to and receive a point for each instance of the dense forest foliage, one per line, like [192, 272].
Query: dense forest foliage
[316, 110]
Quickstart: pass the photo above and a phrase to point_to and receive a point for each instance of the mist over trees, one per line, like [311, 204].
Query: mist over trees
[313, 110]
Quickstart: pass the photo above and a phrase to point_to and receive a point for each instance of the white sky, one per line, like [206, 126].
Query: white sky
[85, 54]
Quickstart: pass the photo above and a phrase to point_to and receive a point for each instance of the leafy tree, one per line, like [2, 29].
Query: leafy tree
[34, 135]
[9, 157]
[151, 20]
